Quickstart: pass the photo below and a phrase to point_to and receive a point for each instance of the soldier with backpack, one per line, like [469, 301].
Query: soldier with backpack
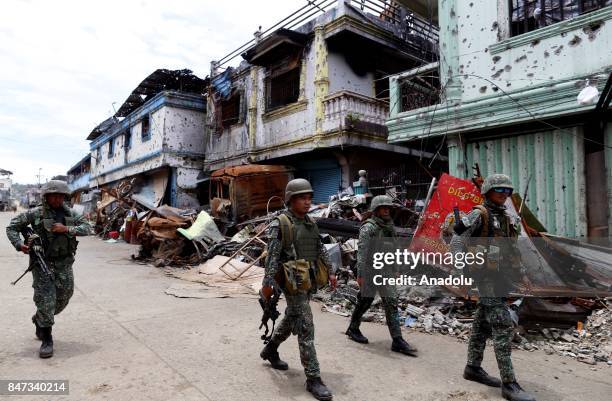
[297, 263]
[376, 228]
[492, 318]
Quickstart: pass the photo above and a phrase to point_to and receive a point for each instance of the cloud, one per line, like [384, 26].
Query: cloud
[65, 62]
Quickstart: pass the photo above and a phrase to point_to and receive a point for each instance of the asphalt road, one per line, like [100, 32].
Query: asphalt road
[123, 338]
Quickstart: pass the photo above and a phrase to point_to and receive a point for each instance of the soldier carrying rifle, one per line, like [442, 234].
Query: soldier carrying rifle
[54, 227]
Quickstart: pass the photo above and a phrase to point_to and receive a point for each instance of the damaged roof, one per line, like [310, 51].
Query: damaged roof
[278, 42]
[102, 128]
[162, 80]
[84, 160]
[5, 172]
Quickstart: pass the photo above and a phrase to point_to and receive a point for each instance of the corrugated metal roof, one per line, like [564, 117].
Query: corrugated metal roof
[248, 169]
[555, 160]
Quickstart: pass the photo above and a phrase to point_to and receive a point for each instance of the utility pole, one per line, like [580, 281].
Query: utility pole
[39, 170]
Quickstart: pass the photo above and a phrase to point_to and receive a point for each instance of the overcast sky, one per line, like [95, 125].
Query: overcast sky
[64, 63]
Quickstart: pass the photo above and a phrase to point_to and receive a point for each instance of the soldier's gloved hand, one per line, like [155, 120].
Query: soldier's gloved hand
[267, 292]
[25, 249]
[267, 288]
[333, 282]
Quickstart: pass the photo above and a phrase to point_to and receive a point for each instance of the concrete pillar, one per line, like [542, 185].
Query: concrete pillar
[395, 101]
[321, 76]
[449, 49]
[252, 115]
[456, 159]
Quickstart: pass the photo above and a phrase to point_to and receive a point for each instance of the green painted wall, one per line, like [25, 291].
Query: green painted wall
[554, 160]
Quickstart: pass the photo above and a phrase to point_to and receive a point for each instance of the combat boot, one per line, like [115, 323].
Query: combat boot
[400, 345]
[513, 392]
[355, 335]
[318, 389]
[46, 348]
[478, 374]
[38, 328]
[270, 353]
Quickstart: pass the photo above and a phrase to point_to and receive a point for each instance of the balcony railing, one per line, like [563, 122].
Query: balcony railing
[529, 15]
[344, 110]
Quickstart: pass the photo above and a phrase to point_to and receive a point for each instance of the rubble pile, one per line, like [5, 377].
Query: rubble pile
[448, 316]
[589, 343]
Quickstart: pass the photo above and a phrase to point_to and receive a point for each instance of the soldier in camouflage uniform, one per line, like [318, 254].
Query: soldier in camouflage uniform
[57, 225]
[377, 227]
[492, 317]
[298, 320]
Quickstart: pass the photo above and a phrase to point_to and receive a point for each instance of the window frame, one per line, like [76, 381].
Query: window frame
[111, 148]
[289, 65]
[127, 139]
[234, 100]
[145, 135]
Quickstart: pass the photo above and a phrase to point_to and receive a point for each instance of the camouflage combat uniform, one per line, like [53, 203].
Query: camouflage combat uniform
[371, 230]
[51, 296]
[298, 315]
[492, 318]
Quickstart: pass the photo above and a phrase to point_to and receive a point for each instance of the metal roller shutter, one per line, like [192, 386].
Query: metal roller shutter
[324, 175]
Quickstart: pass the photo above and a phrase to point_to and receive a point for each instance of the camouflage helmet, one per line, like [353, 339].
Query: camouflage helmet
[55, 187]
[380, 201]
[297, 187]
[496, 181]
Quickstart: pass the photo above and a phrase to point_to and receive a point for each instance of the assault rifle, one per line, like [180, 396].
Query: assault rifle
[37, 255]
[270, 312]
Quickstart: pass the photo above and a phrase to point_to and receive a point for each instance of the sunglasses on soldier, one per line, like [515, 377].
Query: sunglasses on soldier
[503, 190]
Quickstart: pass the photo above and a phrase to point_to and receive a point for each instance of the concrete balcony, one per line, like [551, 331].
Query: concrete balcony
[348, 110]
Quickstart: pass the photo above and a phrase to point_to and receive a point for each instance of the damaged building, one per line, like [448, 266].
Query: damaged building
[79, 175]
[526, 92]
[154, 140]
[312, 93]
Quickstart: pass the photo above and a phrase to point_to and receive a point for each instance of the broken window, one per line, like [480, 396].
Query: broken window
[529, 15]
[230, 110]
[145, 129]
[283, 82]
[127, 141]
[111, 147]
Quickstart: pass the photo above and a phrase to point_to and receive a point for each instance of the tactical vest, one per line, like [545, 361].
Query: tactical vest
[381, 230]
[491, 285]
[305, 238]
[493, 226]
[57, 246]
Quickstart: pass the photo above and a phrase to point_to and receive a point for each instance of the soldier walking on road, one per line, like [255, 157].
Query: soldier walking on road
[57, 226]
[492, 318]
[295, 237]
[376, 228]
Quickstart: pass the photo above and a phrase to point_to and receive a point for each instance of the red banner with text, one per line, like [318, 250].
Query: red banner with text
[436, 227]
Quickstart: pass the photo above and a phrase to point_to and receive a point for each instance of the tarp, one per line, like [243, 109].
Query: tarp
[204, 228]
[223, 83]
